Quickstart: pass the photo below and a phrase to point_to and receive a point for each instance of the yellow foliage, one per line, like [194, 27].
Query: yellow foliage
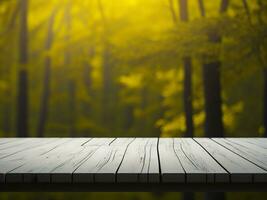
[199, 118]
[230, 112]
[131, 81]
[172, 127]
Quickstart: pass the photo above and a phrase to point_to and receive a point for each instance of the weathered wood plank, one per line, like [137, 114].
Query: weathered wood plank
[64, 172]
[24, 144]
[252, 152]
[171, 168]
[20, 158]
[197, 163]
[103, 164]
[140, 163]
[133, 160]
[58, 165]
[38, 167]
[4, 141]
[18, 145]
[240, 169]
[261, 142]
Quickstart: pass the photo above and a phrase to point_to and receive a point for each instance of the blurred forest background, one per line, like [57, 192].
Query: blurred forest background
[168, 68]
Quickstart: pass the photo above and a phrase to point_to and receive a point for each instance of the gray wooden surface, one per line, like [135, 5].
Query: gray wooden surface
[133, 160]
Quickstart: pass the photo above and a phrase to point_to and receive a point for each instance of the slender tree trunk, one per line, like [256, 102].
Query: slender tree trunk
[46, 81]
[212, 94]
[224, 6]
[22, 98]
[201, 8]
[213, 102]
[261, 59]
[188, 97]
[265, 102]
[87, 78]
[128, 117]
[7, 114]
[45, 99]
[172, 10]
[183, 5]
[72, 107]
[188, 109]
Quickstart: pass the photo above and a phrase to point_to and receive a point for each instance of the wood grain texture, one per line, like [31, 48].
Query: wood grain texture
[79, 155]
[199, 166]
[249, 151]
[240, 169]
[14, 156]
[140, 162]
[20, 166]
[103, 164]
[261, 142]
[133, 160]
[38, 168]
[171, 167]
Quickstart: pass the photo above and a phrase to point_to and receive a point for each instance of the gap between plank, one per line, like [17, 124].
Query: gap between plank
[122, 160]
[84, 160]
[160, 175]
[86, 142]
[238, 155]
[215, 161]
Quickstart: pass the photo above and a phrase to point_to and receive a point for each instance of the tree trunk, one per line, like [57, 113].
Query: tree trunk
[224, 6]
[188, 109]
[7, 114]
[22, 118]
[72, 107]
[128, 117]
[22, 98]
[201, 8]
[188, 97]
[172, 10]
[183, 5]
[265, 102]
[263, 63]
[45, 99]
[213, 102]
[46, 82]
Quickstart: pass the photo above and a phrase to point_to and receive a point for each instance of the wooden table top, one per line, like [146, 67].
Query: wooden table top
[133, 164]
